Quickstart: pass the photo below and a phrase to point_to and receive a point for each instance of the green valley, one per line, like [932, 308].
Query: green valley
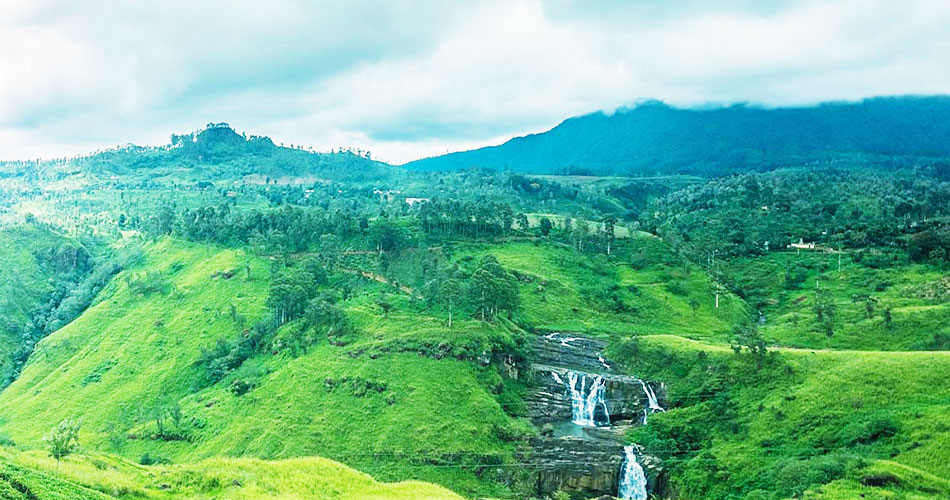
[223, 317]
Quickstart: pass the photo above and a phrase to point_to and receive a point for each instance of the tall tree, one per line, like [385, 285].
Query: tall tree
[493, 288]
[450, 294]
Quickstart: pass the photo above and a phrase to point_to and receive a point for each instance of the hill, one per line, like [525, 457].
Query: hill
[213, 153]
[33, 476]
[793, 423]
[37, 265]
[135, 367]
[654, 138]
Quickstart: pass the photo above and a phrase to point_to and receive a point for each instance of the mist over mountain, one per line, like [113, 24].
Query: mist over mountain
[655, 138]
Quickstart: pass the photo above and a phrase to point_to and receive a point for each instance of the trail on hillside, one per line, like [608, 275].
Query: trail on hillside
[382, 279]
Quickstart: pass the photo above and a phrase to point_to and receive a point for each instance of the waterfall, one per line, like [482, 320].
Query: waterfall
[633, 482]
[585, 398]
[652, 405]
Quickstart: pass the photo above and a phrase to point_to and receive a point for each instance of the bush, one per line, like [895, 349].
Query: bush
[148, 459]
[240, 387]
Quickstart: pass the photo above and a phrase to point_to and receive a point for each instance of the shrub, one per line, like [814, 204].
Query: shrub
[148, 459]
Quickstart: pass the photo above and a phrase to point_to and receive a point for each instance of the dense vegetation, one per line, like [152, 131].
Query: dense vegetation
[222, 296]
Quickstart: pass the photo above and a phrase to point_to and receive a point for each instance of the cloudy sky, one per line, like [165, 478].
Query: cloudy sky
[408, 79]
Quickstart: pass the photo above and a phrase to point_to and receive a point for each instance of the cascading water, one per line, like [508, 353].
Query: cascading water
[633, 482]
[652, 405]
[587, 395]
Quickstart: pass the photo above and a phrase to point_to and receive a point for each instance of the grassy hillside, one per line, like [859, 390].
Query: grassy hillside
[34, 263]
[644, 290]
[837, 424]
[879, 304]
[33, 476]
[403, 398]
[116, 361]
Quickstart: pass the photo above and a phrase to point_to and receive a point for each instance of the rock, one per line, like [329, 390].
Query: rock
[575, 464]
[585, 461]
[551, 401]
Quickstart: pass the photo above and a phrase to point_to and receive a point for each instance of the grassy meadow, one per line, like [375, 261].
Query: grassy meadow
[797, 423]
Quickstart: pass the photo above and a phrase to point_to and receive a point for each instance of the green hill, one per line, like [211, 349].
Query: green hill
[653, 138]
[33, 476]
[213, 153]
[834, 424]
[37, 264]
[131, 363]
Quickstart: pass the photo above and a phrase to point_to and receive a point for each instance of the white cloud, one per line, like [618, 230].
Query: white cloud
[413, 79]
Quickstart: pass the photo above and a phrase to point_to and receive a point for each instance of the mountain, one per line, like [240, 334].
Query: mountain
[655, 138]
[212, 153]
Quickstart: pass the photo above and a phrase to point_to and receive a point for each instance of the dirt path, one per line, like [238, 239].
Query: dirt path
[382, 279]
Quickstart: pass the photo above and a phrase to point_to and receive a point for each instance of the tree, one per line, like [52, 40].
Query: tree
[63, 440]
[385, 305]
[522, 221]
[609, 226]
[869, 306]
[493, 288]
[289, 294]
[330, 250]
[450, 293]
[747, 335]
[545, 226]
[580, 233]
[825, 311]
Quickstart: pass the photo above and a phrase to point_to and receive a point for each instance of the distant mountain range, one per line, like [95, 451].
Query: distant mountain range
[655, 138]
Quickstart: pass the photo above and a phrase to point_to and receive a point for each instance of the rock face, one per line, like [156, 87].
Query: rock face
[552, 403]
[583, 460]
[577, 464]
[555, 356]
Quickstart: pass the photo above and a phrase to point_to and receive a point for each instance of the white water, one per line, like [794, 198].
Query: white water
[633, 482]
[585, 397]
[652, 405]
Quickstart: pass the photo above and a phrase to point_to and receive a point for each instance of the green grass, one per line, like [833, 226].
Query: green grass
[407, 398]
[898, 285]
[149, 342]
[643, 289]
[101, 477]
[820, 421]
[26, 281]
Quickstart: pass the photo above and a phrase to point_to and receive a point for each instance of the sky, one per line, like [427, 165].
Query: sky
[407, 79]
